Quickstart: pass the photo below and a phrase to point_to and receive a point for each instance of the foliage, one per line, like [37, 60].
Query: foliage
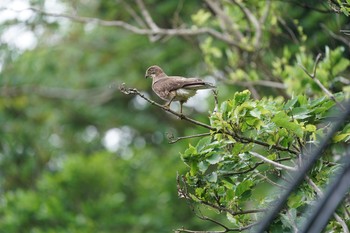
[225, 172]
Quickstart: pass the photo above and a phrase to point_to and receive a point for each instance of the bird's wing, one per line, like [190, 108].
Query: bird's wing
[173, 83]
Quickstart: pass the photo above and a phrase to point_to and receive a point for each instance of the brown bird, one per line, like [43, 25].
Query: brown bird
[174, 88]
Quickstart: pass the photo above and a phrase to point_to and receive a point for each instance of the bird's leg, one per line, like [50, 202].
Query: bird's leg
[167, 105]
[181, 107]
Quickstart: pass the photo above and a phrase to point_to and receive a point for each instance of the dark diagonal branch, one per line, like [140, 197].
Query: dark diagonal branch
[134, 91]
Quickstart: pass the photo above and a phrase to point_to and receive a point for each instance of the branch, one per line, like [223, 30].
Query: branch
[253, 20]
[183, 193]
[320, 194]
[313, 77]
[226, 23]
[172, 139]
[257, 164]
[146, 15]
[134, 91]
[239, 229]
[270, 181]
[272, 162]
[144, 31]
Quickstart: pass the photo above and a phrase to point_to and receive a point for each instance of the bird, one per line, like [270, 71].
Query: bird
[174, 88]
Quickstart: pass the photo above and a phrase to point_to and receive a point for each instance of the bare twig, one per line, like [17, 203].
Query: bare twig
[251, 168]
[133, 13]
[340, 38]
[320, 194]
[226, 23]
[270, 181]
[272, 162]
[172, 139]
[146, 15]
[295, 228]
[253, 20]
[313, 77]
[134, 91]
[143, 31]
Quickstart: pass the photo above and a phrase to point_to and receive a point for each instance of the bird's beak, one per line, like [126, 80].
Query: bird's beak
[146, 75]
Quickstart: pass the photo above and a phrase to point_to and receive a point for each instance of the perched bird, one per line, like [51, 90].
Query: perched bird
[174, 88]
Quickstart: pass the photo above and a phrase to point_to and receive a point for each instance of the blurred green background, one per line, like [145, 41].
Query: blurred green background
[77, 155]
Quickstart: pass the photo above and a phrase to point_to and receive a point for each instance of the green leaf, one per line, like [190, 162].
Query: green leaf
[281, 119]
[341, 137]
[290, 103]
[214, 159]
[203, 143]
[203, 166]
[295, 200]
[255, 113]
[237, 148]
[200, 17]
[310, 128]
[300, 113]
[243, 187]
[213, 177]
[241, 97]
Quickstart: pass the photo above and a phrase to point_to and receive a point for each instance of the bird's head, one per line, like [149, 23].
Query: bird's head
[153, 72]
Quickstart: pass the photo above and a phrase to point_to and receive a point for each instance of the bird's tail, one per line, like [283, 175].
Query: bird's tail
[199, 85]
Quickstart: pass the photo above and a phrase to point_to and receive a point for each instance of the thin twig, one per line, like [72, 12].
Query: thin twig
[313, 77]
[272, 162]
[172, 139]
[133, 13]
[226, 23]
[271, 182]
[134, 91]
[253, 20]
[251, 168]
[238, 229]
[320, 194]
